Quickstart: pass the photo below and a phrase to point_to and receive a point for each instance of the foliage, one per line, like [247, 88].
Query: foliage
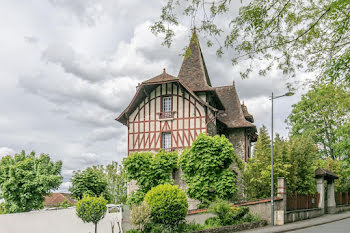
[258, 169]
[26, 179]
[324, 113]
[304, 35]
[91, 209]
[294, 159]
[206, 168]
[136, 198]
[2, 208]
[341, 169]
[116, 178]
[302, 156]
[64, 204]
[149, 171]
[140, 216]
[91, 182]
[169, 204]
[179, 228]
[228, 215]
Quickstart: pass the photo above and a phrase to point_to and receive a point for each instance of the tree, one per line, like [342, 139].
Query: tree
[26, 179]
[258, 169]
[207, 169]
[302, 156]
[324, 113]
[91, 209]
[91, 182]
[296, 35]
[294, 159]
[115, 175]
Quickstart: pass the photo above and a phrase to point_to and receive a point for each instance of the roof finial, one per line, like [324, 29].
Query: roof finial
[319, 164]
[163, 70]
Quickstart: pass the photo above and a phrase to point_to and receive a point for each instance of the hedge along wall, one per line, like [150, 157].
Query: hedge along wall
[261, 208]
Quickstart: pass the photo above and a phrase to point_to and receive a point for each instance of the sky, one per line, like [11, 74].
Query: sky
[69, 68]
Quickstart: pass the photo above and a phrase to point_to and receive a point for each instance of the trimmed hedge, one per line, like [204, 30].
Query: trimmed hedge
[168, 204]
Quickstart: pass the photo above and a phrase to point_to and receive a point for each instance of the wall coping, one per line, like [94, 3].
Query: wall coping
[246, 203]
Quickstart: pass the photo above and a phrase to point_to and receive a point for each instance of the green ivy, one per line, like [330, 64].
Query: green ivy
[206, 168]
[149, 170]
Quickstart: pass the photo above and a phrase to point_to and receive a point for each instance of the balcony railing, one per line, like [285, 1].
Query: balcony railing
[166, 115]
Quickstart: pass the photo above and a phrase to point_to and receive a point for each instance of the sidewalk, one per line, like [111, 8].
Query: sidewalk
[328, 218]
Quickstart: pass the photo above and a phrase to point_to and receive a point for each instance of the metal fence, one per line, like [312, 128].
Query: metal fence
[302, 201]
[342, 198]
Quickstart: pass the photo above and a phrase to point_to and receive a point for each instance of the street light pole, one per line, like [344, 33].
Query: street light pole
[272, 188]
[272, 183]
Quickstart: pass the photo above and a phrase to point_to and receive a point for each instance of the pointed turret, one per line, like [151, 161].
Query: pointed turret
[193, 72]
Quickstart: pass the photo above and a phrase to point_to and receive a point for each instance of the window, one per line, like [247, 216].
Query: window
[166, 141]
[167, 104]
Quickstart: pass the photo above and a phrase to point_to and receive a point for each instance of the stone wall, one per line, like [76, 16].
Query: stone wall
[298, 215]
[237, 137]
[234, 228]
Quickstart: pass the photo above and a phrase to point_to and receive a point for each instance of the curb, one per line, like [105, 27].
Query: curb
[318, 224]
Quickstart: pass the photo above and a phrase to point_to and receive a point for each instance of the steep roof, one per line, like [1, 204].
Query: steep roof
[164, 77]
[54, 199]
[193, 71]
[233, 116]
[149, 85]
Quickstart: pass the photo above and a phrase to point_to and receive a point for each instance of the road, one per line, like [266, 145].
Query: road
[342, 226]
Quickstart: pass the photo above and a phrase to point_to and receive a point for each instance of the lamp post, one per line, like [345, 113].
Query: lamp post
[272, 186]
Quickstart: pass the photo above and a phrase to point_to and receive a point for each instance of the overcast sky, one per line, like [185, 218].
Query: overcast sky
[69, 67]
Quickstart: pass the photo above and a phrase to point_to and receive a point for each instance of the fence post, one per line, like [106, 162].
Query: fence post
[280, 211]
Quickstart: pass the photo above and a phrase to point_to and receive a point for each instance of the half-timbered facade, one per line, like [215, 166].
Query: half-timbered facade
[169, 112]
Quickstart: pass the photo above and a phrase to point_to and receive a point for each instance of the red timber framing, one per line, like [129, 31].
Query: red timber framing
[145, 124]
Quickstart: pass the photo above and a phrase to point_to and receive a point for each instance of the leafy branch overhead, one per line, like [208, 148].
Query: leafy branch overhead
[306, 35]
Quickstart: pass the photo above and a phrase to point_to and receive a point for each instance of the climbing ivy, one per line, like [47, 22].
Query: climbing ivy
[207, 169]
[149, 170]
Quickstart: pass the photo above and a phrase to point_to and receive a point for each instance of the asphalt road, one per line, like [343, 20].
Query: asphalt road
[342, 226]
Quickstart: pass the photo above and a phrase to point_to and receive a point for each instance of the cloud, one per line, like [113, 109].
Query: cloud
[6, 151]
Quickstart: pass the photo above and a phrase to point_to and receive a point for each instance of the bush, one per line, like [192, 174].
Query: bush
[91, 209]
[2, 208]
[135, 198]
[140, 216]
[168, 204]
[179, 228]
[227, 215]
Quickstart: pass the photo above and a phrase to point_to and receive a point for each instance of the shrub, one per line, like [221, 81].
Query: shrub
[91, 209]
[226, 214]
[133, 231]
[140, 216]
[2, 208]
[168, 204]
[136, 198]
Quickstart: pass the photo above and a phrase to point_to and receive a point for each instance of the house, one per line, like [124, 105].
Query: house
[55, 199]
[169, 112]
